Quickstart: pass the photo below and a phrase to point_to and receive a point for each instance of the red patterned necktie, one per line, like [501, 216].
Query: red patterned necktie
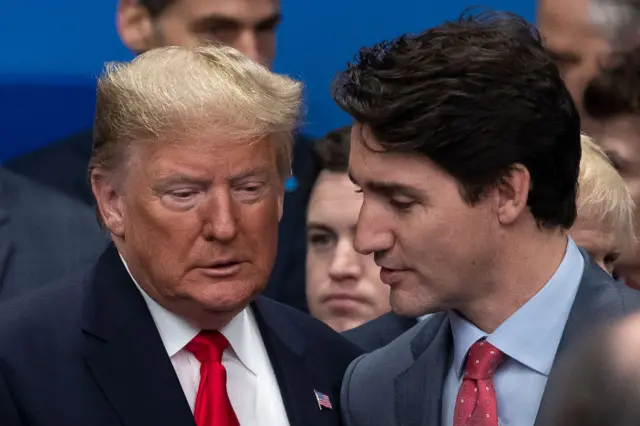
[213, 407]
[476, 404]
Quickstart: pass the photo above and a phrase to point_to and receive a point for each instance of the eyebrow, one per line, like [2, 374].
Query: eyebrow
[319, 226]
[181, 178]
[215, 20]
[389, 188]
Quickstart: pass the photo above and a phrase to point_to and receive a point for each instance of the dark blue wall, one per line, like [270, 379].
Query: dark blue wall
[52, 51]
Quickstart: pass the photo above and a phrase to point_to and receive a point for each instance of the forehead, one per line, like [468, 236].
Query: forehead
[245, 11]
[204, 156]
[593, 237]
[334, 199]
[369, 166]
[565, 23]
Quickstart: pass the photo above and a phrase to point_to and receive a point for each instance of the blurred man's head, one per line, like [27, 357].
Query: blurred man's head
[467, 148]
[573, 41]
[604, 226]
[191, 150]
[613, 100]
[343, 287]
[247, 25]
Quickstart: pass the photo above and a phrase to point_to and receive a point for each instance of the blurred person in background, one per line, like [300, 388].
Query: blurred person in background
[574, 43]
[605, 223]
[247, 25]
[191, 153]
[44, 235]
[613, 100]
[599, 380]
[343, 287]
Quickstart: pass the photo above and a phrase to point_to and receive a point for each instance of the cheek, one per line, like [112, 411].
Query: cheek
[317, 269]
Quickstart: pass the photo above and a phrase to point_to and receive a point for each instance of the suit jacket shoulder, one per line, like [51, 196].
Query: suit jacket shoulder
[380, 331]
[43, 235]
[383, 373]
[62, 166]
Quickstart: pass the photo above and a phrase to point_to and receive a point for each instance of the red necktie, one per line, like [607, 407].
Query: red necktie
[213, 407]
[476, 404]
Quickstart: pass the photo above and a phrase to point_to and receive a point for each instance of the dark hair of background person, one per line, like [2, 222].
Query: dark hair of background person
[155, 7]
[593, 390]
[616, 90]
[475, 96]
[331, 152]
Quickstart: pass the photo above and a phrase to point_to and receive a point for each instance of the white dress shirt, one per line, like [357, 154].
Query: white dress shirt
[251, 382]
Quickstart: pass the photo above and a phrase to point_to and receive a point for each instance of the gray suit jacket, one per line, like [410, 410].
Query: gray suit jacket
[402, 383]
[43, 235]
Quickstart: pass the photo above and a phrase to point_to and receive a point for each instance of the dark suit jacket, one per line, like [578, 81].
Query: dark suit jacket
[380, 331]
[43, 235]
[402, 383]
[63, 166]
[87, 352]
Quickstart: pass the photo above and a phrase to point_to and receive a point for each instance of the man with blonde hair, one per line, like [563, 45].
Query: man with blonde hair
[604, 226]
[191, 151]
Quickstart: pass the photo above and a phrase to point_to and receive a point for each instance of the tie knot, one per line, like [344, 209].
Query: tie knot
[208, 346]
[482, 361]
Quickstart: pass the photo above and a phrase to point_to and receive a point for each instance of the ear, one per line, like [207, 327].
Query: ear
[512, 194]
[109, 199]
[280, 201]
[135, 26]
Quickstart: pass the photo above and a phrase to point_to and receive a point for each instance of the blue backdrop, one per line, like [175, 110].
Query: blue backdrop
[53, 50]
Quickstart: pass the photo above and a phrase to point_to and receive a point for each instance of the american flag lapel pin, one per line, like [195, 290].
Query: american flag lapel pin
[323, 400]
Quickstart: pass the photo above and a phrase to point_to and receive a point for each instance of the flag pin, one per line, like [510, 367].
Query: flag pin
[323, 400]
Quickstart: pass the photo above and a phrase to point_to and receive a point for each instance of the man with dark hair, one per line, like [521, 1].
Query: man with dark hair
[613, 100]
[466, 145]
[249, 26]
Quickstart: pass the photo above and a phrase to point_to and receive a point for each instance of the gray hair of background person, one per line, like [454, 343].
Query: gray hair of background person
[619, 20]
[595, 388]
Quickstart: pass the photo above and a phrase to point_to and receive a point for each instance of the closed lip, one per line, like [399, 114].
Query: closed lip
[221, 268]
[344, 297]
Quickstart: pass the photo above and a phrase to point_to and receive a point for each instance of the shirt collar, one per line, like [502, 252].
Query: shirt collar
[531, 335]
[176, 332]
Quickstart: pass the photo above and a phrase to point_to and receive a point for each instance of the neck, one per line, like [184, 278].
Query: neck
[521, 271]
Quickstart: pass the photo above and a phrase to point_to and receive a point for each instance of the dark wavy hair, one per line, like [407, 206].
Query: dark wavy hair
[156, 7]
[476, 96]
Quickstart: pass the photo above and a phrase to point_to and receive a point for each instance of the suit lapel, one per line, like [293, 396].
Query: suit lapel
[418, 398]
[296, 369]
[124, 351]
[597, 302]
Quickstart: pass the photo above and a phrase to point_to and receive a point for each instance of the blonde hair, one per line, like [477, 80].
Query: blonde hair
[170, 92]
[603, 196]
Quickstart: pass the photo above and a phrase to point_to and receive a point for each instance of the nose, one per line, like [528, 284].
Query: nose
[247, 43]
[221, 222]
[372, 231]
[346, 263]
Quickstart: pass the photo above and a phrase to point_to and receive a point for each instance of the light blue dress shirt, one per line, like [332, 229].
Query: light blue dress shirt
[530, 339]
